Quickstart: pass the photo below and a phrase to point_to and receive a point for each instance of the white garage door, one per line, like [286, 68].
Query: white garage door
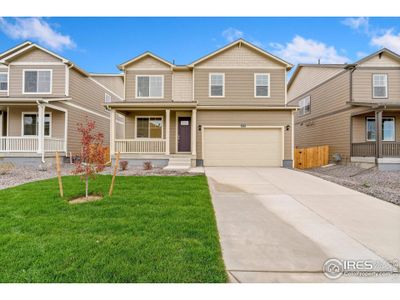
[243, 147]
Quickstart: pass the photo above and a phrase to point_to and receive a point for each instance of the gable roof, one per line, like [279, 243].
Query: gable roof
[383, 50]
[26, 46]
[145, 54]
[239, 42]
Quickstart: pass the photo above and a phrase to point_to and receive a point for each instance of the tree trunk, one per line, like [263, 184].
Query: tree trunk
[87, 186]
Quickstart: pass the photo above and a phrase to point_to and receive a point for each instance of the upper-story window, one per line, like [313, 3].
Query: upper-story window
[107, 98]
[149, 86]
[37, 81]
[217, 85]
[305, 106]
[261, 85]
[3, 81]
[380, 87]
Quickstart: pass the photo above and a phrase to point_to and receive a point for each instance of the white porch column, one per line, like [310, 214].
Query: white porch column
[194, 126]
[167, 131]
[112, 132]
[41, 116]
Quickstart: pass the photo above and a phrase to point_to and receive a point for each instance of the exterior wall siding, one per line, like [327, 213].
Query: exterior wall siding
[239, 87]
[362, 85]
[114, 83]
[250, 118]
[16, 80]
[182, 86]
[37, 55]
[131, 84]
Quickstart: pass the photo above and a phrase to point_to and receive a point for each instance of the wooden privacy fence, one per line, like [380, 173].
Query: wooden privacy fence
[311, 157]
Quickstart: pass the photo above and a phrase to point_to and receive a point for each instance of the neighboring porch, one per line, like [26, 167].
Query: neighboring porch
[32, 130]
[161, 135]
[375, 137]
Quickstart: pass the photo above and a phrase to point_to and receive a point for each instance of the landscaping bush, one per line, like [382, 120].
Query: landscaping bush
[123, 165]
[147, 165]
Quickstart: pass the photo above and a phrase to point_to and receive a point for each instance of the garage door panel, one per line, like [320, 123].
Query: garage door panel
[242, 147]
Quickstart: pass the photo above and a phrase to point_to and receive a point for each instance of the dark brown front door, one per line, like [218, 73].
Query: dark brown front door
[184, 134]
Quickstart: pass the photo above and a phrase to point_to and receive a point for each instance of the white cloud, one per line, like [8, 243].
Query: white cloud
[232, 34]
[388, 40]
[361, 23]
[36, 29]
[361, 54]
[301, 50]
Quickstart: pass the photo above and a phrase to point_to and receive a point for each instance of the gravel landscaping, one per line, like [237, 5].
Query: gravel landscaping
[21, 175]
[380, 184]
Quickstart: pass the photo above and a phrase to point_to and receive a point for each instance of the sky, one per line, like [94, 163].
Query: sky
[99, 44]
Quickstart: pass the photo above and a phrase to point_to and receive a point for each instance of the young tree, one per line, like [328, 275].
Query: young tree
[92, 158]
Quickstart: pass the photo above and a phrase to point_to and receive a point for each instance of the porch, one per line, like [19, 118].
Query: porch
[32, 130]
[375, 137]
[154, 133]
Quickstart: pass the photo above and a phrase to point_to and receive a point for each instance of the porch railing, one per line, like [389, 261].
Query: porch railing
[368, 149]
[53, 145]
[29, 144]
[140, 146]
[18, 144]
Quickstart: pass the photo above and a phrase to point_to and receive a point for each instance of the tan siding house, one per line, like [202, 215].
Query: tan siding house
[353, 108]
[228, 108]
[46, 97]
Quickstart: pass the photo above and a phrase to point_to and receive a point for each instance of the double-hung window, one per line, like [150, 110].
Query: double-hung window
[388, 129]
[31, 124]
[149, 127]
[149, 86]
[380, 86]
[37, 81]
[305, 106]
[261, 85]
[217, 85]
[3, 82]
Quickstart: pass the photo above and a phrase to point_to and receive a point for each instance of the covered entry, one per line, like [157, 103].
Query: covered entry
[238, 146]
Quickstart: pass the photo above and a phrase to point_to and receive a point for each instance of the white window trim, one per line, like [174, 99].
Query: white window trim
[144, 75]
[105, 98]
[373, 86]
[300, 107]
[8, 82]
[37, 93]
[223, 85]
[255, 85]
[373, 118]
[149, 138]
[36, 113]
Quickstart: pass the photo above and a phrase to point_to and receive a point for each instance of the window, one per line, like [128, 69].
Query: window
[107, 98]
[379, 82]
[30, 124]
[37, 81]
[388, 129]
[261, 85]
[305, 106]
[217, 85]
[149, 127]
[150, 86]
[3, 81]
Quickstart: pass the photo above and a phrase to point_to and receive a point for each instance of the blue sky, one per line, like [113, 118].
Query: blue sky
[99, 44]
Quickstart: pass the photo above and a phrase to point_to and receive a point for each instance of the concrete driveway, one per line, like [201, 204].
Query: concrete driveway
[280, 225]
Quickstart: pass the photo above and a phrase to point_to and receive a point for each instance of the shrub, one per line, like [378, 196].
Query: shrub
[147, 165]
[123, 165]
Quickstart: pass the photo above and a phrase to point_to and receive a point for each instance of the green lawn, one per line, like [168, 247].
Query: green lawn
[153, 229]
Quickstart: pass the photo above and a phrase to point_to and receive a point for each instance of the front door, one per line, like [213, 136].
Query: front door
[184, 130]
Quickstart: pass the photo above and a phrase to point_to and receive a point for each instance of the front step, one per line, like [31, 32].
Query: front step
[178, 163]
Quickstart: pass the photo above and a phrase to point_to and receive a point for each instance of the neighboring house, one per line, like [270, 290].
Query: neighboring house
[43, 97]
[353, 108]
[227, 108]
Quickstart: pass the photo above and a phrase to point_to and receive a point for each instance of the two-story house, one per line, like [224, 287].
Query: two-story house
[228, 108]
[43, 97]
[353, 108]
